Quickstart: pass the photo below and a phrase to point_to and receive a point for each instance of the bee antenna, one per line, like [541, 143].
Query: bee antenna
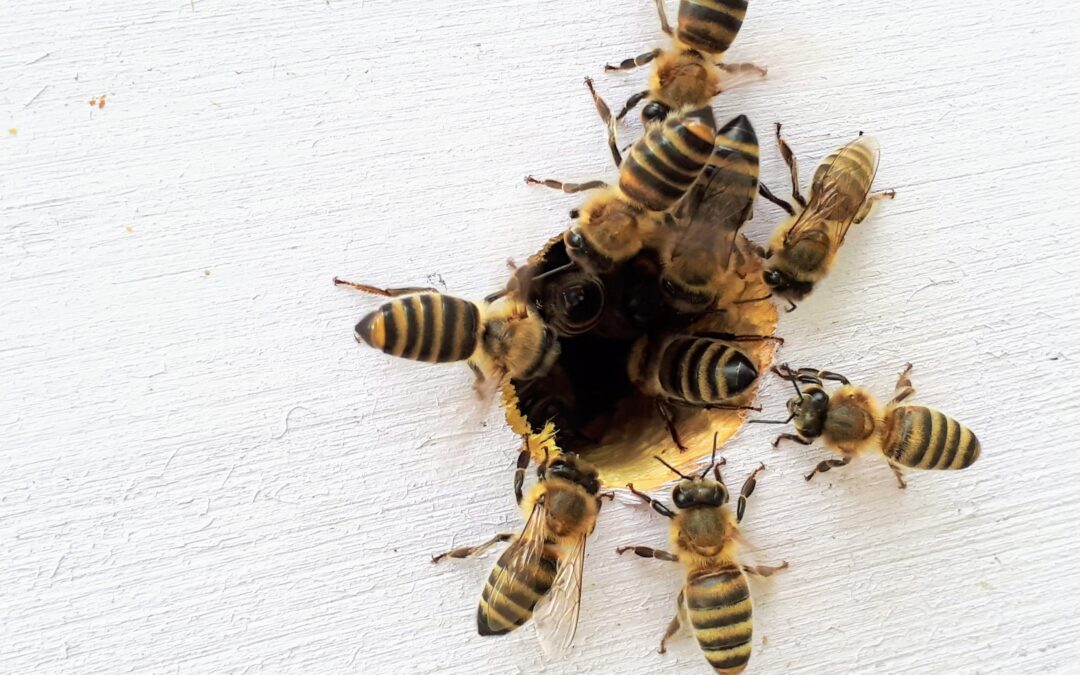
[712, 460]
[790, 417]
[680, 473]
[560, 268]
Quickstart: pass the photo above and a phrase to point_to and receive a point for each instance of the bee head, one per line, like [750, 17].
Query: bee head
[700, 491]
[809, 409]
[584, 254]
[686, 298]
[567, 467]
[785, 285]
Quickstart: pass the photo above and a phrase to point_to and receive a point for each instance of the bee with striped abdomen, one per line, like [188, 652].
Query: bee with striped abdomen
[539, 575]
[851, 421]
[701, 272]
[804, 246]
[691, 72]
[704, 370]
[501, 338]
[615, 224]
[715, 599]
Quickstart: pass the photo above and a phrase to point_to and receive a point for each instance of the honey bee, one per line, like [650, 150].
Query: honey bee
[539, 575]
[850, 421]
[502, 338]
[690, 73]
[702, 370]
[699, 274]
[804, 246]
[715, 599]
[616, 223]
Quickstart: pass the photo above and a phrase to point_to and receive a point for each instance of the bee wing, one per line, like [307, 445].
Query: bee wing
[713, 213]
[524, 556]
[840, 186]
[556, 615]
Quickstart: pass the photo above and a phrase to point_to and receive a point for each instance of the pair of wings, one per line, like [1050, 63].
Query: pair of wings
[556, 614]
[712, 214]
[840, 187]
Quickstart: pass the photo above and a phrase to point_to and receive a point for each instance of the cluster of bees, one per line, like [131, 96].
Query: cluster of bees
[643, 329]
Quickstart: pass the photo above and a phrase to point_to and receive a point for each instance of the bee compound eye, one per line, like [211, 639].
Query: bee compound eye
[654, 111]
[574, 239]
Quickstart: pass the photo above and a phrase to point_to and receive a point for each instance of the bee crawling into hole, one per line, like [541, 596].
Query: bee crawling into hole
[715, 599]
[851, 421]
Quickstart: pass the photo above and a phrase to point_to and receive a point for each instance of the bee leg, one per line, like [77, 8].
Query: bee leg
[473, 551]
[820, 375]
[903, 387]
[735, 74]
[385, 292]
[648, 552]
[899, 473]
[664, 25]
[827, 464]
[747, 489]
[636, 62]
[871, 201]
[764, 570]
[676, 622]
[669, 419]
[519, 472]
[765, 192]
[568, 188]
[630, 104]
[656, 504]
[793, 165]
[791, 437]
[605, 114]
[732, 337]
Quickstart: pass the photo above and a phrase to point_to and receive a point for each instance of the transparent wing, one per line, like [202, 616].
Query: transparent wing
[523, 557]
[840, 186]
[556, 615]
[713, 211]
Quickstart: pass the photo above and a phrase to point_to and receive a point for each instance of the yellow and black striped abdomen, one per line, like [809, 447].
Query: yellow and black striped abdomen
[510, 596]
[424, 327]
[710, 25]
[922, 438]
[702, 371]
[736, 159]
[663, 164]
[721, 613]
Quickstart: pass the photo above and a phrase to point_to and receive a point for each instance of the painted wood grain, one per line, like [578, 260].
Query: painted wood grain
[200, 471]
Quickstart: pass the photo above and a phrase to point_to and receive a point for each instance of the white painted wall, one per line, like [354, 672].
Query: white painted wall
[201, 471]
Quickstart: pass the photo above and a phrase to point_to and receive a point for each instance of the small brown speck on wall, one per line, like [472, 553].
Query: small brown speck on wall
[98, 101]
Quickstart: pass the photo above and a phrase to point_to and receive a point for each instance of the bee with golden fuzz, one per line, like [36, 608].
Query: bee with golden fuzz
[539, 575]
[850, 421]
[715, 599]
[614, 225]
[701, 271]
[501, 338]
[804, 246]
[691, 73]
[702, 370]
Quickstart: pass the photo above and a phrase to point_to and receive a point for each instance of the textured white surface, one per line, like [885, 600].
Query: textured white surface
[201, 471]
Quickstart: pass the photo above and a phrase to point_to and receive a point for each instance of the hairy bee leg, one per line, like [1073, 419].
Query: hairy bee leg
[729, 406]
[568, 188]
[793, 166]
[791, 437]
[904, 389]
[385, 292]
[827, 464]
[736, 74]
[747, 489]
[664, 25]
[732, 337]
[604, 111]
[764, 570]
[765, 192]
[656, 504]
[473, 551]
[676, 622]
[519, 471]
[636, 62]
[648, 552]
[871, 201]
[899, 473]
[669, 420]
[630, 104]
